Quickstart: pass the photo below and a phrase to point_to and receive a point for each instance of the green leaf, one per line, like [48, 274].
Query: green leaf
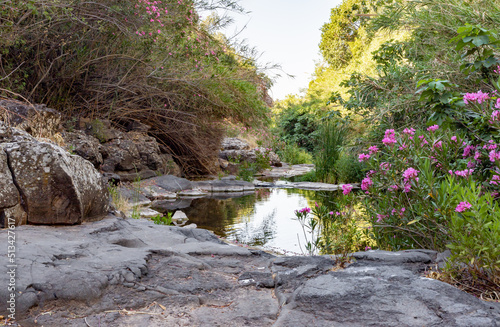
[481, 40]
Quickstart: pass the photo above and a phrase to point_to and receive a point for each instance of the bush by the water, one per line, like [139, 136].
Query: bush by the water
[153, 62]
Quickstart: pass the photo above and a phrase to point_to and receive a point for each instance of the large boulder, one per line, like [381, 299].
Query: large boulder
[41, 183]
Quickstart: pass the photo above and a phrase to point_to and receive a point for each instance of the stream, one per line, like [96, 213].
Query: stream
[264, 219]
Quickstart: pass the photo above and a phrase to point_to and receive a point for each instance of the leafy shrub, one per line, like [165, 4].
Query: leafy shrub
[437, 188]
[348, 169]
[475, 234]
[125, 61]
[293, 154]
[247, 170]
[330, 232]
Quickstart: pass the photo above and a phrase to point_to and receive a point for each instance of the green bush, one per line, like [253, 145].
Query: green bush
[474, 234]
[348, 169]
[331, 139]
[294, 155]
[113, 60]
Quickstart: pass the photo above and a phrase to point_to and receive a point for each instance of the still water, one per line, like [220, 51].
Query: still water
[265, 219]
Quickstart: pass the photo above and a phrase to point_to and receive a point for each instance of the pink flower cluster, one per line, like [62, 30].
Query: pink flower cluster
[462, 206]
[409, 131]
[346, 189]
[373, 149]
[494, 156]
[468, 150]
[478, 97]
[389, 138]
[363, 157]
[433, 128]
[495, 180]
[304, 210]
[410, 173]
[462, 173]
[366, 183]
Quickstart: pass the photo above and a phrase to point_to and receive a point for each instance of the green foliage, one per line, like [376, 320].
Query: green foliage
[247, 170]
[332, 137]
[338, 37]
[480, 44]
[293, 154]
[297, 123]
[112, 60]
[163, 219]
[348, 168]
[475, 234]
[330, 232]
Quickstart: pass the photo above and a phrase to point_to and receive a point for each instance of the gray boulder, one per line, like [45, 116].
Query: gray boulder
[43, 184]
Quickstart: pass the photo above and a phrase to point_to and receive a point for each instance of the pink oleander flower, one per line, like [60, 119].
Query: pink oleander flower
[471, 164]
[462, 206]
[467, 151]
[433, 128]
[366, 183]
[403, 146]
[477, 155]
[373, 149]
[409, 131]
[494, 156]
[407, 188]
[478, 97]
[464, 173]
[385, 166]
[454, 138]
[367, 248]
[497, 104]
[380, 217]
[410, 173]
[438, 145]
[495, 115]
[495, 180]
[390, 137]
[306, 209]
[363, 157]
[331, 213]
[346, 189]
[497, 70]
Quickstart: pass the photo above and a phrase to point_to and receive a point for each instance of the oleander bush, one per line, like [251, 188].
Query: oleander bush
[150, 61]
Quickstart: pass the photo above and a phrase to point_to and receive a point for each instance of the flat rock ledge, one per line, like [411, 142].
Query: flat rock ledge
[286, 170]
[127, 272]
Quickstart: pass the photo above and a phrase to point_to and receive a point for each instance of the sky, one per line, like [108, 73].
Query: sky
[286, 32]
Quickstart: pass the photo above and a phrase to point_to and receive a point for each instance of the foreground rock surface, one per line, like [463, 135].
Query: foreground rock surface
[118, 272]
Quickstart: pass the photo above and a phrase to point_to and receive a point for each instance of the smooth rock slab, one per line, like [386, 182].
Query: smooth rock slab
[225, 185]
[170, 276]
[169, 183]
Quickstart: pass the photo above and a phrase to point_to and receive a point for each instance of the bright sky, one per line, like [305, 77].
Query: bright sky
[288, 33]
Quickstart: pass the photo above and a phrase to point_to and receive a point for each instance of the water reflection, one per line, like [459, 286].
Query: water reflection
[265, 218]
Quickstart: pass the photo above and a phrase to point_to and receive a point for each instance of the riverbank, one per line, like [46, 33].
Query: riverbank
[130, 272]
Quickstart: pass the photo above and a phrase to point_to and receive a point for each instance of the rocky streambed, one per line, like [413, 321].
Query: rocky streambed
[130, 272]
